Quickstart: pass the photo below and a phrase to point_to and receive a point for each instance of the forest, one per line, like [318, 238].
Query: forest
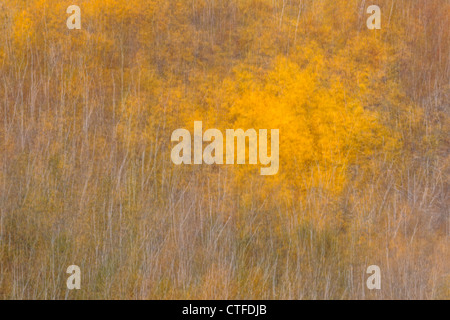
[86, 176]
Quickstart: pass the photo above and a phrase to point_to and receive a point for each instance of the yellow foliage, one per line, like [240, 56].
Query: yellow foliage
[86, 118]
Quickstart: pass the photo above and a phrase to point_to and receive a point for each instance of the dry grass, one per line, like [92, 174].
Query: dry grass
[86, 177]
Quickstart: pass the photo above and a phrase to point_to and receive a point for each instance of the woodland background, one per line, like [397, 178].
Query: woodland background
[86, 177]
